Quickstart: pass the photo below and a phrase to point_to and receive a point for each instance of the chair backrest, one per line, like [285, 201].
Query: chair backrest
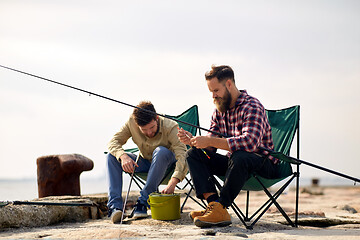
[189, 116]
[284, 124]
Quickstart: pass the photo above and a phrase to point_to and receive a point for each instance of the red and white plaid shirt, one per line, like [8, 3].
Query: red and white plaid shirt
[246, 126]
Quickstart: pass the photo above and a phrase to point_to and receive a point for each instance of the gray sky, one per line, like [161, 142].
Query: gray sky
[283, 52]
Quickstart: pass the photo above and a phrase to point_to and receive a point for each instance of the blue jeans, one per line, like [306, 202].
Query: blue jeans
[162, 159]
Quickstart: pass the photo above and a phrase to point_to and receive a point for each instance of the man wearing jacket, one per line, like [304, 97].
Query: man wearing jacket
[160, 148]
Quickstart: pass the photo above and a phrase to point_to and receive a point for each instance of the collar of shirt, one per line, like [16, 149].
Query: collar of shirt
[241, 98]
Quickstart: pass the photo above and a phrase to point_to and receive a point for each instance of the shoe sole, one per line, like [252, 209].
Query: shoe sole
[116, 218]
[140, 215]
[203, 224]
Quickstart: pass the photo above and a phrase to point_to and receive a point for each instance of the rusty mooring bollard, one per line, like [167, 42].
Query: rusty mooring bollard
[59, 175]
[315, 182]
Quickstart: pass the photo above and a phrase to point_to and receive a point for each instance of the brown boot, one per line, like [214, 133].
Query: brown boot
[194, 214]
[216, 215]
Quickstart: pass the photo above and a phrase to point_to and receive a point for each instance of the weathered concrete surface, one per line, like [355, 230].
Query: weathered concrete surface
[335, 206]
[16, 216]
[37, 215]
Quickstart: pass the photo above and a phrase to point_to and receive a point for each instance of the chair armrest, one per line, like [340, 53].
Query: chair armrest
[284, 157]
[132, 150]
[281, 156]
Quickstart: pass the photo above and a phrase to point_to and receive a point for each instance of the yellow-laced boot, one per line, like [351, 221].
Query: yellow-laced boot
[215, 215]
[194, 214]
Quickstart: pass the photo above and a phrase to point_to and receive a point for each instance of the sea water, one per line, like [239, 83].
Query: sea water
[26, 189]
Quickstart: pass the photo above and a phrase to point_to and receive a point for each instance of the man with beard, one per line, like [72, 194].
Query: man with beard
[242, 119]
[160, 148]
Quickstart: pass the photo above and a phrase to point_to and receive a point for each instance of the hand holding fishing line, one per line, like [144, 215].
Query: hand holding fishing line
[199, 142]
[193, 141]
[184, 136]
[187, 138]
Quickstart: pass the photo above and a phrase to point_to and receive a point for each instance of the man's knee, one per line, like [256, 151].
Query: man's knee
[162, 154]
[192, 154]
[241, 159]
[160, 150]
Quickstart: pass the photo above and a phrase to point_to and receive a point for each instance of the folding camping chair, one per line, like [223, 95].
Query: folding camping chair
[284, 124]
[191, 116]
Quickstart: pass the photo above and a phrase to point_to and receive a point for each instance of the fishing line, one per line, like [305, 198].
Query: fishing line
[299, 161]
[110, 99]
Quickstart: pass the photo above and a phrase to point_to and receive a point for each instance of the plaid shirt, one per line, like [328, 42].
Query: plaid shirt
[246, 126]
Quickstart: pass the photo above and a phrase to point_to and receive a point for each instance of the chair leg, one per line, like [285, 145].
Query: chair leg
[239, 214]
[297, 195]
[136, 180]
[187, 183]
[263, 208]
[268, 203]
[188, 195]
[247, 205]
[185, 200]
[273, 200]
[202, 203]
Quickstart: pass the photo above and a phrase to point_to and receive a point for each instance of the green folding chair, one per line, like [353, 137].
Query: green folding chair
[190, 116]
[284, 125]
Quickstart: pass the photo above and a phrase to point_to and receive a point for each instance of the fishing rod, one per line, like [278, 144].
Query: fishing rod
[189, 124]
[299, 161]
[107, 98]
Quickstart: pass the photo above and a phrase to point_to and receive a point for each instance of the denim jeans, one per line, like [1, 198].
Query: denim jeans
[162, 159]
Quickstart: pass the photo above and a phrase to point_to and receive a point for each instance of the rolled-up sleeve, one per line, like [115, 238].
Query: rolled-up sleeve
[115, 145]
[179, 149]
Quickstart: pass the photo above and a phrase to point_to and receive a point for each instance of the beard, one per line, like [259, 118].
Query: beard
[223, 103]
[156, 132]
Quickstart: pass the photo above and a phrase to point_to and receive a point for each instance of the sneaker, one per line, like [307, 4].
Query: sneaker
[116, 215]
[216, 216]
[194, 214]
[140, 210]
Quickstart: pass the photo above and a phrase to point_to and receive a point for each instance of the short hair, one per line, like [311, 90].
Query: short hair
[142, 117]
[222, 73]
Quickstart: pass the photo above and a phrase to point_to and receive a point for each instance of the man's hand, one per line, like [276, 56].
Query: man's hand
[200, 141]
[127, 163]
[197, 141]
[170, 188]
[209, 142]
[184, 136]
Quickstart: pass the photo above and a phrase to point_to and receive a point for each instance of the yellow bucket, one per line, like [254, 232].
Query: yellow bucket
[164, 206]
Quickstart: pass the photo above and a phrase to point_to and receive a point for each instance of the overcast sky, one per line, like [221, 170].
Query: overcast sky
[283, 52]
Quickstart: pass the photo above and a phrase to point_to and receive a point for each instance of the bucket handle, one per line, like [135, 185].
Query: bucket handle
[158, 204]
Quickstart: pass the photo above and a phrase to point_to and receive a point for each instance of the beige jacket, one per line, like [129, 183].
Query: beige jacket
[166, 137]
